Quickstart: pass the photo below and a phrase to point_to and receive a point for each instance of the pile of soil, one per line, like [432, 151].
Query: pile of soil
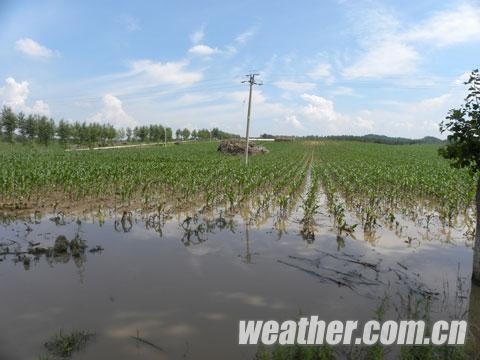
[237, 147]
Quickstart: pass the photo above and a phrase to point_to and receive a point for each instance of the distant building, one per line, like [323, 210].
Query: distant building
[261, 139]
[268, 137]
[284, 138]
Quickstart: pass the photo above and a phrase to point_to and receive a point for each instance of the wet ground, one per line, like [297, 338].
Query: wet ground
[183, 286]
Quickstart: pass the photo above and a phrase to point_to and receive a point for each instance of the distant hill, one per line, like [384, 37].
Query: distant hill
[382, 139]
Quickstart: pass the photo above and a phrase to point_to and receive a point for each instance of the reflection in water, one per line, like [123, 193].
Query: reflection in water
[125, 224]
[61, 252]
[359, 274]
[247, 258]
[59, 218]
[205, 295]
[196, 229]
[340, 242]
[141, 341]
[156, 222]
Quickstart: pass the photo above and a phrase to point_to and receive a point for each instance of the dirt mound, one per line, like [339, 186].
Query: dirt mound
[237, 147]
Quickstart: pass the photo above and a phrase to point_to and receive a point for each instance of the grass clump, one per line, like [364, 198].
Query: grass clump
[64, 345]
[279, 352]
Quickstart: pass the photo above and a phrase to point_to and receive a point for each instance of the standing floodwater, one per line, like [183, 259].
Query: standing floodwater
[186, 289]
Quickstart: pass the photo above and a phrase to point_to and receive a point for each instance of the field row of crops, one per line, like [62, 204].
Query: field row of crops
[375, 182]
[178, 176]
[379, 182]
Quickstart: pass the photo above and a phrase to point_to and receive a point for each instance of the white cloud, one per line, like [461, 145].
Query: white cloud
[190, 99]
[434, 102]
[393, 49]
[322, 71]
[130, 23]
[323, 115]
[226, 115]
[33, 48]
[40, 107]
[230, 50]
[319, 108]
[387, 58]
[344, 91]
[448, 27]
[364, 122]
[295, 86]
[462, 79]
[409, 119]
[313, 115]
[384, 53]
[198, 35]
[245, 36]
[166, 73]
[113, 113]
[324, 119]
[374, 24]
[15, 95]
[293, 121]
[241, 39]
[242, 96]
[203, 50]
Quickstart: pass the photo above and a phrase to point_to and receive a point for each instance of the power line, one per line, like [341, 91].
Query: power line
[222, 83]
[251, 81]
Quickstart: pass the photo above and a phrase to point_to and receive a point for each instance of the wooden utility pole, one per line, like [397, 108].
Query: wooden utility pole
[251, 81]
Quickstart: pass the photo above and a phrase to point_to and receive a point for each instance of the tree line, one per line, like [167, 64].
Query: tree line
[379, 139]
[19, 127]
[370, 138]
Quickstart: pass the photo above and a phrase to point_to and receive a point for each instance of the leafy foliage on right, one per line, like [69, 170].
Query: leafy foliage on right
[463, 147]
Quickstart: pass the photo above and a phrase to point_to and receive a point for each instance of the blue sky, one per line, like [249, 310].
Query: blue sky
[328, 67]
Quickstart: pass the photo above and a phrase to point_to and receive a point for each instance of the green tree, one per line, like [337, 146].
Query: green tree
[31, 126]
[46, 130]
[63, 131]
[111, 133]
[128, 133]
[185, 134]
[107, 133]
[463, 147]
[156, 133]
[203, 134]
[169, 133]
[83, 133]
[94, 133]
[161, 134]
[141, 133]
[22, 125]
[215, 133]
[9, 123]
[120, 134]
[75, 131]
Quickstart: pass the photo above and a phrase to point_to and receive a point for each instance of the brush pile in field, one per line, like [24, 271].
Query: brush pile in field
[238, 147]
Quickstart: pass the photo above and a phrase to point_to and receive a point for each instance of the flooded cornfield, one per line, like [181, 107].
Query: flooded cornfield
[239, 180]
[173, 280]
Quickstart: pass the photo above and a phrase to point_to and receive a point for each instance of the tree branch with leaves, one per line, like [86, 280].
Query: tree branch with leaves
[463, 147]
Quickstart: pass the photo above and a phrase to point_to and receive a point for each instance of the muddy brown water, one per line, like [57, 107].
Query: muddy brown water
[186, 289]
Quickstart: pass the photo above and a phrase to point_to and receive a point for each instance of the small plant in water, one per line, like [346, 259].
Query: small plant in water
[45, 357]
[64, 345]
[295, 352]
